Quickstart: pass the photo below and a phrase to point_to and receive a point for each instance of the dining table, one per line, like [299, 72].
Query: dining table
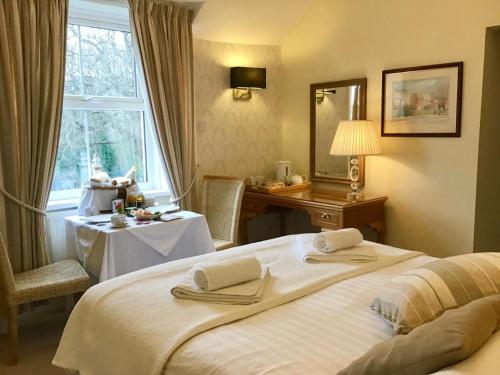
[107, 252]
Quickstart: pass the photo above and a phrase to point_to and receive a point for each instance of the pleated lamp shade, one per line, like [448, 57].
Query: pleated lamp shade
[355, 137]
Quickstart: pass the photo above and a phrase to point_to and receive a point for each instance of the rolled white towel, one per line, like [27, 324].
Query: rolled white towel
[331, 241]
[223, 273]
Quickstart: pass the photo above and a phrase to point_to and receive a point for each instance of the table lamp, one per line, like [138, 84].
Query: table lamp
[355, 138]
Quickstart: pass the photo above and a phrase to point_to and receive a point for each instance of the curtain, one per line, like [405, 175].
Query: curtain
[163, 35]
[32, 56]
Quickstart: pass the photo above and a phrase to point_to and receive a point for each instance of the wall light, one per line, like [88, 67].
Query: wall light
[244, 79]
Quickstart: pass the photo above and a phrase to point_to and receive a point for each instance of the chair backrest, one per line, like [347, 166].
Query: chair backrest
[221, 205]
[7, 284]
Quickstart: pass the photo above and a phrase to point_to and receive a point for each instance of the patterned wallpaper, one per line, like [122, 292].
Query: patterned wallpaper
[237, 138]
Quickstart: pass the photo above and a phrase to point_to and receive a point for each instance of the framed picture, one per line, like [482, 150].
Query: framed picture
[422, 101]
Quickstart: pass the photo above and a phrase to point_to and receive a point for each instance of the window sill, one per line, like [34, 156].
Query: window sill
[62, 205]
[72, 204]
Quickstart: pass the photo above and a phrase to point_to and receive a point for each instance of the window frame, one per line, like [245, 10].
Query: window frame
[156, 181]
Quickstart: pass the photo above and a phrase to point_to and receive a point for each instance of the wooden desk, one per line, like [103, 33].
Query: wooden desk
[327, 209]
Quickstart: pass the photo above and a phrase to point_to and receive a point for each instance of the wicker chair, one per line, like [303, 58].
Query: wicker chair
[54, 280]
[221, 205]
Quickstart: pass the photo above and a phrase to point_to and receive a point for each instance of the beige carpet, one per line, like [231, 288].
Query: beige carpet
[37, 346]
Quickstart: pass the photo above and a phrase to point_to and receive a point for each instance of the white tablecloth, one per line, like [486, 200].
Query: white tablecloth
[106, 252]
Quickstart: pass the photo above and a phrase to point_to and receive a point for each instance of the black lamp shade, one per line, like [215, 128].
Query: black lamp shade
[242, 77]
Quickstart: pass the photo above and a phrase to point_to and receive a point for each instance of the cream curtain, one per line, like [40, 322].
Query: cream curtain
[163, 34]
[32, 55]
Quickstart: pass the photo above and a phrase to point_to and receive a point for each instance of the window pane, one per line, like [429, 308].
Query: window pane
[117, 137]
[107, 62]
[71, 164]
[72, 84]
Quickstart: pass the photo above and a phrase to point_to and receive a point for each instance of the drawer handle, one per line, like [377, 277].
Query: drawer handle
[251, 204]
[325, 216]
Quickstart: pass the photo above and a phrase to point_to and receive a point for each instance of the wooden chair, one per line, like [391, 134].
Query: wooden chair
[221, 204]
[54, 280]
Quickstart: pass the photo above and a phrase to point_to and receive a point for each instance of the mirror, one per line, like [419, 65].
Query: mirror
[332, 102]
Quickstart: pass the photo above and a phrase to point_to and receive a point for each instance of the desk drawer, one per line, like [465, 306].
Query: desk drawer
[252, 204]
[327, 219]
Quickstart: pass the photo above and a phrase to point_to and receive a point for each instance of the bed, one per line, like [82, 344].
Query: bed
[121, 326]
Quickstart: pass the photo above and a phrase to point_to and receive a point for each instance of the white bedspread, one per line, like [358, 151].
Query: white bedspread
[132, 325]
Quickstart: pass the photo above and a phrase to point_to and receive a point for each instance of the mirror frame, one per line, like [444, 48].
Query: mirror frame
[362, 83]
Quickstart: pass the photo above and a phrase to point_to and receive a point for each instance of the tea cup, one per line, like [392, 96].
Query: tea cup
[118, 220]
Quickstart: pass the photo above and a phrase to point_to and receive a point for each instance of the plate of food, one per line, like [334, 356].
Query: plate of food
[141, 214]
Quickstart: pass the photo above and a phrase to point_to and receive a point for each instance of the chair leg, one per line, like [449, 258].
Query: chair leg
[12, 312]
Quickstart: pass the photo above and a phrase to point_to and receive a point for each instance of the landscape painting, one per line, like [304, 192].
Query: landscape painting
[422, 101]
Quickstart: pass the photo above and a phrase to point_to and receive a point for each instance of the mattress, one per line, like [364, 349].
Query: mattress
[317, 334]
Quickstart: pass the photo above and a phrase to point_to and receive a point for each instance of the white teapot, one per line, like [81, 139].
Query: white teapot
[297, 179]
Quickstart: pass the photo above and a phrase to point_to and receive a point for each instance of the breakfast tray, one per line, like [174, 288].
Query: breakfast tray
[270, 190]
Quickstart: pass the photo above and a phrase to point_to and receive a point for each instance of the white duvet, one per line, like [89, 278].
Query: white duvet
[123, 326]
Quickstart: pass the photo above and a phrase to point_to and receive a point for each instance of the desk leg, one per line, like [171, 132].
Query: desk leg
[378, 227]
[243, 232]
[245, 217]
[282, 219]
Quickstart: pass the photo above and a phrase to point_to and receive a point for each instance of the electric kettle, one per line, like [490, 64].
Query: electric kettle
[284, 170]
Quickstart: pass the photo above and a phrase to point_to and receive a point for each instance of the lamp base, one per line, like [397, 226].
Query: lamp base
[355, 196]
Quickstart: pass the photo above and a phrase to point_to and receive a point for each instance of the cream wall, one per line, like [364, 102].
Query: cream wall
[431, 182]
[236, 138]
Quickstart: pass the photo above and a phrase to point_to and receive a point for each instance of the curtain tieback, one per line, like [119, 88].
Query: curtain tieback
[189, 187]
[21, 203]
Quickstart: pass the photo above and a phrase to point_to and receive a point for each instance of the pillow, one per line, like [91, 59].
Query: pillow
[451, 338]
[421, 294]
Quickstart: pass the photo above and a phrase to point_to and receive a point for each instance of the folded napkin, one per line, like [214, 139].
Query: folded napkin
[241, 294]
[330, 241]
[357, 254]
[158, 237]
[226, 272]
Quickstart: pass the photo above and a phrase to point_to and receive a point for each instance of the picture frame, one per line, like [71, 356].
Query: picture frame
[422, 101]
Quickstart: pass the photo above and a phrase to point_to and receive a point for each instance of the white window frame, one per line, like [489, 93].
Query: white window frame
[156, 183]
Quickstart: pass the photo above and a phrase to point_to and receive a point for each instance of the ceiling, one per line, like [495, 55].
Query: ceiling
[249, 21]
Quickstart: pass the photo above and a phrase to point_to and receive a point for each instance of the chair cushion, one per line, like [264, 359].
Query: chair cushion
[452, 337]
[53, 280]
[422, 294]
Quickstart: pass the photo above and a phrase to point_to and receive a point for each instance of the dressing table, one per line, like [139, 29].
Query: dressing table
[327, 209]
[330, 103]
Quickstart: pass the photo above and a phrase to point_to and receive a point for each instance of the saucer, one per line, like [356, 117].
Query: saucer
[118, 226]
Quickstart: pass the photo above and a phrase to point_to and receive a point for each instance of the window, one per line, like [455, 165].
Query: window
[103, 111]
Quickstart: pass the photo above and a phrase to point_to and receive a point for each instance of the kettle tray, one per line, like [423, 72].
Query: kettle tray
[270, 189]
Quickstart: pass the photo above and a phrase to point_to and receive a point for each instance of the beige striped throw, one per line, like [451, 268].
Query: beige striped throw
[422, 294]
